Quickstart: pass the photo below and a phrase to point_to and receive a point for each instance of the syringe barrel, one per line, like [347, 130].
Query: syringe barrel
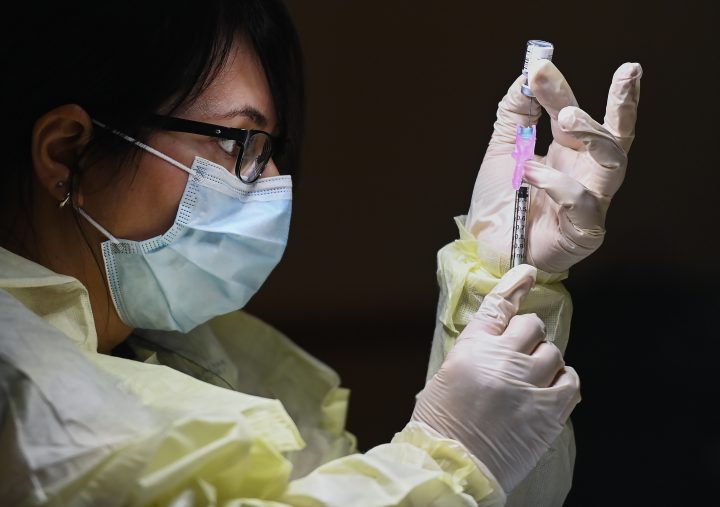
[519, 239]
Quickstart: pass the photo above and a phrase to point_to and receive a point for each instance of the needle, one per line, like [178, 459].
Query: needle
[530, 111]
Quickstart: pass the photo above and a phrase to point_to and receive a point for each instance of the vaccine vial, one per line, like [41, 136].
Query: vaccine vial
[536, 50]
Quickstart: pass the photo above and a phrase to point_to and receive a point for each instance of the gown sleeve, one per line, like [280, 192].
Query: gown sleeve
[466, 272]
[79, 428]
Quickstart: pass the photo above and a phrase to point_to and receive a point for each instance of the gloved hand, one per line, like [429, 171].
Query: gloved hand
[502, 391]
[572, 186]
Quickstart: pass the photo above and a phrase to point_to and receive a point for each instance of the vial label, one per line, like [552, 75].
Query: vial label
[536, 50]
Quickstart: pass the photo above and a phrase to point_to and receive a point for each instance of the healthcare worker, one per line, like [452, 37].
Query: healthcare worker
[149, 148]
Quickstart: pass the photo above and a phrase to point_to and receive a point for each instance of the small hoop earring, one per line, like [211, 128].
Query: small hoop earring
[64, 201]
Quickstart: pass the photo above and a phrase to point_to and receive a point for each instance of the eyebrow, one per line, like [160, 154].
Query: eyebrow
[248, 112]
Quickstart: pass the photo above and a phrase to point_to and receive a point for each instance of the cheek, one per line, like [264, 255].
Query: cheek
[144, 203]
[157, 197]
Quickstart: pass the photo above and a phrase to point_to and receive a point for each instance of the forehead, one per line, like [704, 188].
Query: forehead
[241, 85]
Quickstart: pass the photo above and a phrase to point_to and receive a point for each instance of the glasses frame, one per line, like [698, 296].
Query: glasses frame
[242, 136]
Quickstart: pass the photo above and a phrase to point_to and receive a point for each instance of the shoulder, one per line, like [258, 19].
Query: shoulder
[16, 322]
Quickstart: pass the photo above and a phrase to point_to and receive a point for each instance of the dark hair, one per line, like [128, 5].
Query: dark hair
[122, 61]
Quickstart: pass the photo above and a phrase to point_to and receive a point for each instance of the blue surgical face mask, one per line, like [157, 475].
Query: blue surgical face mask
[227, 238]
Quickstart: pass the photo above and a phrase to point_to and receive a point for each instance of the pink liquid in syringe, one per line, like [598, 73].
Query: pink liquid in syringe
[524, 150]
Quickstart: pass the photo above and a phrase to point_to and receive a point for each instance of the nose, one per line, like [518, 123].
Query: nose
[270, 170]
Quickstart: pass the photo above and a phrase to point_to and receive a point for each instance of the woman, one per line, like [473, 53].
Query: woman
[147, 199]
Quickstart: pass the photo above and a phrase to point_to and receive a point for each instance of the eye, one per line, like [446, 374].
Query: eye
[229, 146]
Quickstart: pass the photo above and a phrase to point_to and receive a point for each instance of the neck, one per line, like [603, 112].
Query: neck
[62, 241]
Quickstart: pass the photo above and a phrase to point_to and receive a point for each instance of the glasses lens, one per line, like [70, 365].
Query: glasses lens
[255, 157]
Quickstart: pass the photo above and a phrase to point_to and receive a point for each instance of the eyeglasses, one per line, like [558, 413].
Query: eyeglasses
[247, 151]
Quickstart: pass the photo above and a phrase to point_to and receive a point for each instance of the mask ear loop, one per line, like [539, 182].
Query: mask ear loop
[68, 199]
[139, 144]
[147, 148]
[99, 227]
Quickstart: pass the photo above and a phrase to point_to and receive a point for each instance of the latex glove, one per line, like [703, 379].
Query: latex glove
[502, 391]
[572, 186]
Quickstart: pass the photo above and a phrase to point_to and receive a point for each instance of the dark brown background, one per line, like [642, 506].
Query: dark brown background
[401, 100]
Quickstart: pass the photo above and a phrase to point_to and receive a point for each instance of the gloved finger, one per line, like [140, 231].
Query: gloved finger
[513, 109]
[524, 333]
[583, 209]
[623, 98]
[565, 391]
[546, 364]
[606, 160]
[553, 92]
[502, 303]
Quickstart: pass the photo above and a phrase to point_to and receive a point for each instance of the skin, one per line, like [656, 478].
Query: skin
[140, 202]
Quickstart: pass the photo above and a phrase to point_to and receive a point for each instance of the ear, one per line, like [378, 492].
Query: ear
[58, 139]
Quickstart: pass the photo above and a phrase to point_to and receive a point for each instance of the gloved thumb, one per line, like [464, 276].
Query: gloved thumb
[503, 302]
[513, 109]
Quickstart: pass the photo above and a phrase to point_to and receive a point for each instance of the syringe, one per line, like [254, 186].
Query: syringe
[525, 138]
[524, 150]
